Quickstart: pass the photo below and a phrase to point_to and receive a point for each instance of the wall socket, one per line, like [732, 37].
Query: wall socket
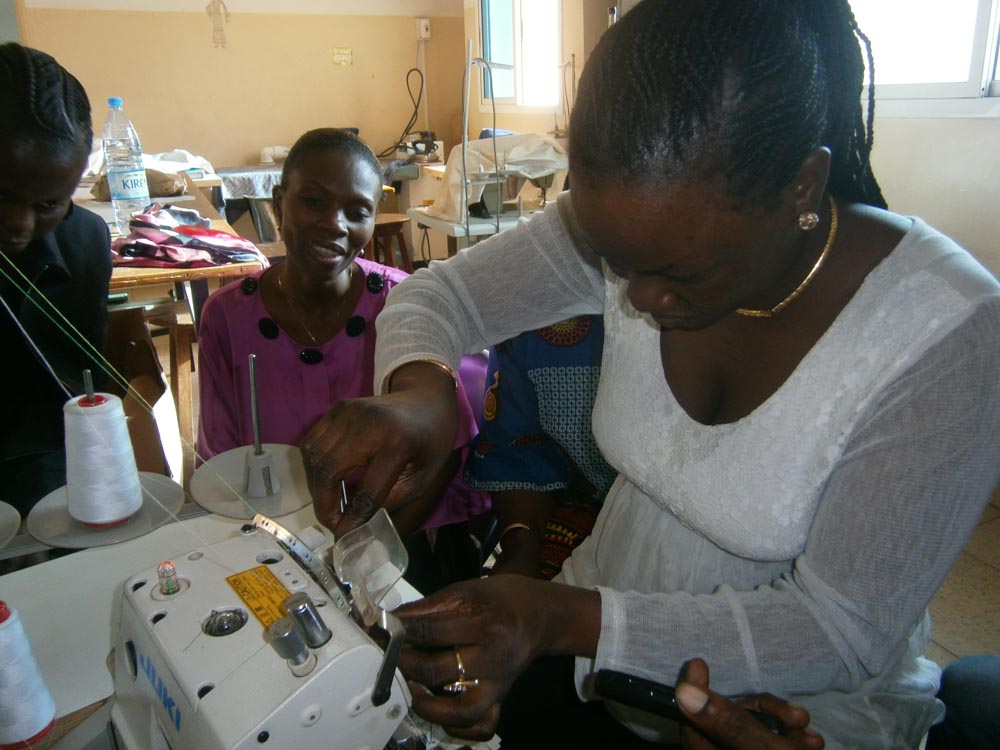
[423, 28]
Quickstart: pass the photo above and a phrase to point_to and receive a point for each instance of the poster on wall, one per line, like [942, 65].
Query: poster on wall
[219, 14]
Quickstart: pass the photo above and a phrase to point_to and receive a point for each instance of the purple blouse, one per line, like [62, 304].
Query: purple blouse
[297, 384]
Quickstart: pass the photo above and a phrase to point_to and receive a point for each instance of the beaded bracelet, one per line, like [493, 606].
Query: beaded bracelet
[387, 380]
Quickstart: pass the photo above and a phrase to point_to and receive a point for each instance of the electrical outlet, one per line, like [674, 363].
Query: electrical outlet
[343, 56]
[423, 28]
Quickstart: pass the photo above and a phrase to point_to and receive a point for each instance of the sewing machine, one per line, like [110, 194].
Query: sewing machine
[255, 642]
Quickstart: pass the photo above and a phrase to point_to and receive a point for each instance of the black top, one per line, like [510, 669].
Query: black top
[71, 268]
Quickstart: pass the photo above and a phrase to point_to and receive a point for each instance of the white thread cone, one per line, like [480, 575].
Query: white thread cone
[26, 706]
[102, 481]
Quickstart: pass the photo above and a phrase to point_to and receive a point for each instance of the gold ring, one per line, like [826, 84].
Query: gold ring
[461, 684]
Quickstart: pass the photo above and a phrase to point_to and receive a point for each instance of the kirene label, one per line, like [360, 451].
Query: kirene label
[128, 185]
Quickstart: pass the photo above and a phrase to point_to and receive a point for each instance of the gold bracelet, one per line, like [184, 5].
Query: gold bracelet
[514, 527]
[387, 380]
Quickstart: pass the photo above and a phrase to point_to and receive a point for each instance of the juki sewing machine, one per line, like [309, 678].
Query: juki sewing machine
[256, 642]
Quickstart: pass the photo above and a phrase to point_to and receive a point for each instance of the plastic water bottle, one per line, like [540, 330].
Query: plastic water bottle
[123, 163]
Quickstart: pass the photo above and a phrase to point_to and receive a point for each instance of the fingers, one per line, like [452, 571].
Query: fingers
[368, 495]
[793, 717]
[473, 714]
[329, 455]
[729, 725]
[432, 669]
[695, 672]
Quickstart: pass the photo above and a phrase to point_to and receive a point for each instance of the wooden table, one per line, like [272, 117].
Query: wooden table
[124, 278]
[181, 323]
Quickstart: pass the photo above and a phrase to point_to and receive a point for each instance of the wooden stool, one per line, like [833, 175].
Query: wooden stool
[380, 247]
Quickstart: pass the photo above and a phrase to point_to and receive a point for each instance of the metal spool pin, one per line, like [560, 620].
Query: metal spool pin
[88, 386]
[260, 479]
[254, 407]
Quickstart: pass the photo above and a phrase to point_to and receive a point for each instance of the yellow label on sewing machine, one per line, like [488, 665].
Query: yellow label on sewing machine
[262, 592]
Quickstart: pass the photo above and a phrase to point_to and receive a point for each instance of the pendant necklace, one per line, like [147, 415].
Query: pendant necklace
[295, 311]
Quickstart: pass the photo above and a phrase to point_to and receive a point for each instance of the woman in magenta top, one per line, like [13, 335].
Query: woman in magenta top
[310, 321]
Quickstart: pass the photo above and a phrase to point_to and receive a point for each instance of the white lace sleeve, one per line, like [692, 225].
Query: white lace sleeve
[893, 517]
[527, 277]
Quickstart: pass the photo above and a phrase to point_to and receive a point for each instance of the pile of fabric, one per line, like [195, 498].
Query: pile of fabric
[167, 236]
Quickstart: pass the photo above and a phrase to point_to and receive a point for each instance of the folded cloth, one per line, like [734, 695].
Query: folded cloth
[165, 237]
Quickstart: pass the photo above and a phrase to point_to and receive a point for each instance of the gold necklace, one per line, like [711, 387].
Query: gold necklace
[295, 311]
[830, 239]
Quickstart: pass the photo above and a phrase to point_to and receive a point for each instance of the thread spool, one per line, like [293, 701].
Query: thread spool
[102, 481]
[27, 710]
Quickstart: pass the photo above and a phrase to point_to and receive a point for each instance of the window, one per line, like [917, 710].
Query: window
[928, 49]
[523, 34]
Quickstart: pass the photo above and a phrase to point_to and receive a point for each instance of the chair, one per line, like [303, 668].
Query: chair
[154, 434]
[389, 228]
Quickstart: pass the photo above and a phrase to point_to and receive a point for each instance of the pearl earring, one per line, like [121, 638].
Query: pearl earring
[808, 221]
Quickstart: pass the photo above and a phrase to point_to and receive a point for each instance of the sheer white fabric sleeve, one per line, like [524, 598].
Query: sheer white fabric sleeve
[532, 275]
[894, 515]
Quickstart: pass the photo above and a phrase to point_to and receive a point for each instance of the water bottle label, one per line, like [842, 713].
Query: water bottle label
[128, 185]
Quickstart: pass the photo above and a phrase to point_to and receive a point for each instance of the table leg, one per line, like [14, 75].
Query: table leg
[180, 381]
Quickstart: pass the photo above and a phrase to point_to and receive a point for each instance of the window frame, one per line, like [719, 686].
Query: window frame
[512, 104]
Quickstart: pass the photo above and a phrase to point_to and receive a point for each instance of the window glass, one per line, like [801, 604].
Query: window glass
[523, 34]
[919, 41]
[540, 53]
[498, 47]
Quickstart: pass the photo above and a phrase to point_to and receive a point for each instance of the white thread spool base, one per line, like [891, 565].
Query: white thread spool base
[10, 522]
[50, 522]
[218, 484]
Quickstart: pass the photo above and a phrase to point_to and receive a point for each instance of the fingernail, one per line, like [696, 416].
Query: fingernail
[692, 699]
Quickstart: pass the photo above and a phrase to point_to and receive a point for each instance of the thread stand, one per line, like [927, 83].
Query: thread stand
[259, 471]
[221, 485]
[50, 522]
[10, 521]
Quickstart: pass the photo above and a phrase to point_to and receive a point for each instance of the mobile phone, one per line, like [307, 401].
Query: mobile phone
[657, 698]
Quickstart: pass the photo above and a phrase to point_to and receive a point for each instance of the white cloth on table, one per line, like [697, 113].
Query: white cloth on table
[249, 182]
[797, 548]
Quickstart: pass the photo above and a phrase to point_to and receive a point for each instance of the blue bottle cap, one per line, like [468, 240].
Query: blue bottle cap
[115, 102]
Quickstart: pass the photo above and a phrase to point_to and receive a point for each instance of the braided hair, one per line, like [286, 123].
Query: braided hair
[43, 99]
[745, 89]
[337, 140]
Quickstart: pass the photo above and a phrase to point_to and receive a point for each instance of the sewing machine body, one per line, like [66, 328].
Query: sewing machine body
[178, 687]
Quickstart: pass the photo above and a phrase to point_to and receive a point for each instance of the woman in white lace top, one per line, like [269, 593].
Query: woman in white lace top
[799, 390]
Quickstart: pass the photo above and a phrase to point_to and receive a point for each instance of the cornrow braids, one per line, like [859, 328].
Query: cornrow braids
[745, 89]
[43, 98]
[327, 139]
[852, 133]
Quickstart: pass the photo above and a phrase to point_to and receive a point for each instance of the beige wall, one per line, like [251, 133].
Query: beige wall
[274, 80]
[947, 171]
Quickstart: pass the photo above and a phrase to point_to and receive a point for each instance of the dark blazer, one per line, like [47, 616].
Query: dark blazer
[71, 269]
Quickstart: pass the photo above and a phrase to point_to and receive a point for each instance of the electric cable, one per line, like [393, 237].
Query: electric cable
[390, 150]
[425, 246]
